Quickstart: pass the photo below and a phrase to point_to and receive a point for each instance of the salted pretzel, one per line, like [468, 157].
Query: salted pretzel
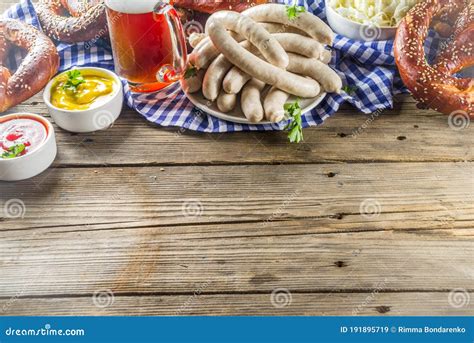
[72, 21]
[40, 64]
[434, 86]
[460, 51]
[210, 7]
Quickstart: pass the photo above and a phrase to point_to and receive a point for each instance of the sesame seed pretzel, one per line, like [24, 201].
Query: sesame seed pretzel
[72, 21]
[39, 65]
[434, 86]
[460, 51]
[211, 7]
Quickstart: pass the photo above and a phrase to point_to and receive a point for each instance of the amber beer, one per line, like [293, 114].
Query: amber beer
[148, 43]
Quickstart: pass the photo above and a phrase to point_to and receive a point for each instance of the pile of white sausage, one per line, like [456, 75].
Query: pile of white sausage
[242, 53]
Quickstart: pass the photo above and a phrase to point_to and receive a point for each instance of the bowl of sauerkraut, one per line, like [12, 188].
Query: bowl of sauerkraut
[367, 20]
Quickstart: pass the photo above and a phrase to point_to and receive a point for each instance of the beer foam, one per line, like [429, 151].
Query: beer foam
[133, 7]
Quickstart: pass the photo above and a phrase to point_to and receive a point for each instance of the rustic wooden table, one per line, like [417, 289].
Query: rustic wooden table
[371, 215]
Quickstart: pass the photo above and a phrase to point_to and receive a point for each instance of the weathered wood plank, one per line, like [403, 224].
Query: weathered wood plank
[402, 134]
[179, 260]
[375, 303]
[425, 195]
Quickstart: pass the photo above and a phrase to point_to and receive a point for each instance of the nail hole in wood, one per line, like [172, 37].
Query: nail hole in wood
[382, 309]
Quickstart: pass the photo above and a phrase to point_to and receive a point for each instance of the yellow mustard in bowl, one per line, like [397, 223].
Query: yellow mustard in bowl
[77, 91]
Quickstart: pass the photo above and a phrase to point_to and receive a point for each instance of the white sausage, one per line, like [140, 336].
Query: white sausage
[251, 101]
[307, 22]
[280, 28]
[235, 80]
[203, 54]
[306, 46]
[196, 38]
[274, 105]
[252, 65]
[226, 102]
[252, 31]
[326, 56]
[206, 52]
[328, 78]
[193, 83]
[215, 74]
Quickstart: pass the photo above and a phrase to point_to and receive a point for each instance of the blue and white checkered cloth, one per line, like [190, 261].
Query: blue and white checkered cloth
[367, 67]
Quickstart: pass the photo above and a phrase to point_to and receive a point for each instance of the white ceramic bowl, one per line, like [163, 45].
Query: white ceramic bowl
[33, 163]
[99, 117]
[354, 30]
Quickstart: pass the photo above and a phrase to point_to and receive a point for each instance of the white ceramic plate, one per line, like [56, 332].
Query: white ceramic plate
[237, 116]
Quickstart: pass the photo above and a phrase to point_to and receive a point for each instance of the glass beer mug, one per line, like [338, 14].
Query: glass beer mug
[148, 44]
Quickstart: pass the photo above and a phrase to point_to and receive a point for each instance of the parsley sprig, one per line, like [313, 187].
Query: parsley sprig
[74, 79]
[349, 89]
[294, 11]
[14, 151]
[295, 126]
[190, 72]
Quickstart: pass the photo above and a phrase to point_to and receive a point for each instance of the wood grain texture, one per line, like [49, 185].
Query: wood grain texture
[402, 134]
[130, 197]
[375, 303]
[371, 215]
[179, 260]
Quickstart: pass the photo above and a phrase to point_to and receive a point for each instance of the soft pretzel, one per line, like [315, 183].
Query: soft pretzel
[210, 7]
[432, 87]
[460, 51]
[87, 19]
[37, 68]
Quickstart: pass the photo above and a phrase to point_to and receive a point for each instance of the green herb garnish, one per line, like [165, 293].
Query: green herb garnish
[190, 72]
[74, 79]
[349, 89]
[14, 151]
[295, 126]
[294, 11]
